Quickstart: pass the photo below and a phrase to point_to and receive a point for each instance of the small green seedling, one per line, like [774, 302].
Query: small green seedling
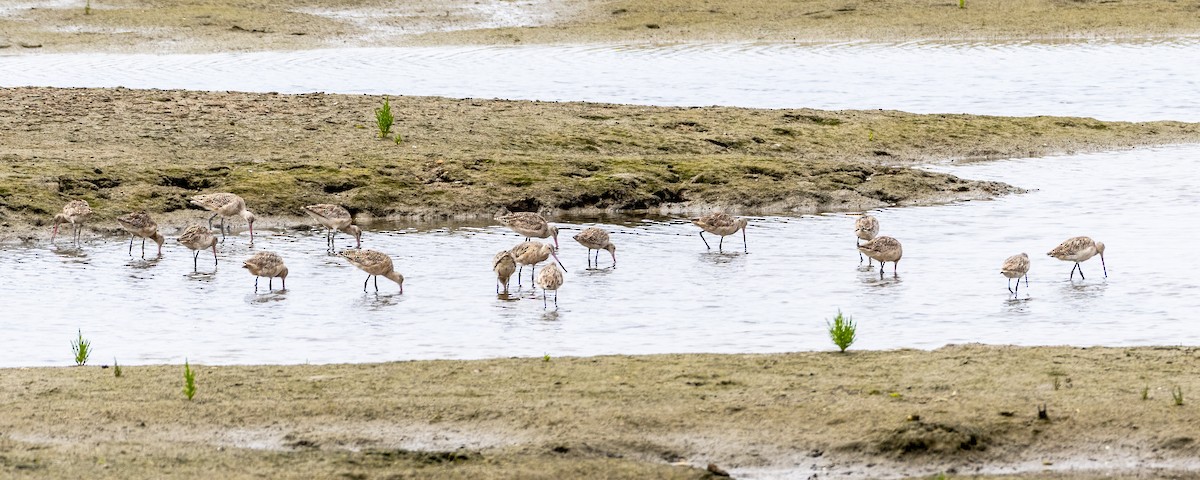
[82, 349]
[1146, 392]
[1177, 394]
[962, 3]
[189, 380]
[384, 119]
[546, 358]
[87, 8]
[841, 331]
[116, 368]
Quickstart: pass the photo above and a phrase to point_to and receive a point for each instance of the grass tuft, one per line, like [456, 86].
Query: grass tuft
[116, 368]
[546, 358]
[384, 119]
[82, 349]
[189, 380]
[87, 8]
[842, 330]
[1146, 392]
[1177, 395]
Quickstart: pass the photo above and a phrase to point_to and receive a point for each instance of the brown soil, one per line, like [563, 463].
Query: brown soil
[965, 410]
[124, 150]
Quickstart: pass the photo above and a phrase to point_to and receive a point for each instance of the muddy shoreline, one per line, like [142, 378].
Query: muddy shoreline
[970, 411]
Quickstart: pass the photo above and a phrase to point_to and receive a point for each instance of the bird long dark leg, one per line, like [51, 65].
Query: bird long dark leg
[543, 299]
[143, 248]
[1081, 277]
[895, 266]
[1018, 286]
[196, 261]
[589, 254]
[532, 272]
[210, 219]
[365, 282]
[745, 249]
[556, 299]
[131, 245]
[1010, 290]
[520, 269]
[721, 244]
[1026, 280]
[881, 270]
[1073, 271]
[376, 283]
[222, 229]
[270, 283]
[255, 284]
[705, 241]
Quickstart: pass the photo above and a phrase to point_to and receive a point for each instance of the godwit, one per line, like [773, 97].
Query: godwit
[1079, 249]
[721, 224]
[139, 224]
[225, 205]
[75, 212]
[375, 264]
[532, 253]
[198, 238]
[865, 228]
[596, 239]
[334, 218]
[504, 265]
[1016, 266]
[885, 249]
[529, 224]
[549, 278]
[266, 264]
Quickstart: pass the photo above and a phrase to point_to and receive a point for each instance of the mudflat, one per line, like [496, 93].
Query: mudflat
[968, 411]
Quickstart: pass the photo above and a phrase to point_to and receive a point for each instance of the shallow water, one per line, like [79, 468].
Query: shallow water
[668, 293]
[1127, 80]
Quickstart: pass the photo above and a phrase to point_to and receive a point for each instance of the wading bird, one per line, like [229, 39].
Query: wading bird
[225, 205]
[504, 265]
[375, 264]
[198, 238]
[532, 253]
[721, 224]
[1016, 266]
[884, 249]
[549, 278]
[529, 224]
[596, 239]
[266, 264]
[74, 212]
[139, 224]
[1079, 249]
[334, 218]
[865, 228]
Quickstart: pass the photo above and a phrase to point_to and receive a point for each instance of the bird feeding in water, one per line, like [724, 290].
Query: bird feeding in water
[197, 238]
[139, 224]
[1079, 249]
[376, 264]
[549, 278]
[335, 218]
[74, 212]
[266, 264]
[722, 224]
[597, 239]
[225, 205]
[532, 253]
[504, 265]
[529, 224]
[865, 228]
[1016, 266]
[884, 249]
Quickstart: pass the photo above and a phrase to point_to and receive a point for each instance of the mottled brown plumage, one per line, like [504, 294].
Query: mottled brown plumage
[74, 212]
[721, 224]
[504, 265]
[1079, 249]
[865, 228]
[139, 224]
[375, 264]
[197, 238]
[1016, 266]
[529, 224]
[597, 239]
[532, 253]
[225, 205]
[549, 278]
[333, 218]
[884, 249]
[266, 264]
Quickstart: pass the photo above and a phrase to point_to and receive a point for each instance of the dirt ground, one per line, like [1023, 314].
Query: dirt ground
[967, 411]
[205, 26]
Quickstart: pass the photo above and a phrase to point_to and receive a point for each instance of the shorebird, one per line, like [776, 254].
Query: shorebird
[504, 265]
[1079, 249]
[549, 278]
[75, 212]
[198, 238]
[885, 249]
[266, 264]
[1016, 266]
[139, 224]
[529, 224]
[721, 224]
[375, 264]
[596, 239]
[334, 218]
[865, 228]
[225, 205]
[532, 253]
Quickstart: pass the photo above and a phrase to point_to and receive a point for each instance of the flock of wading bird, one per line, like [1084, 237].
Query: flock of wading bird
[528, 253]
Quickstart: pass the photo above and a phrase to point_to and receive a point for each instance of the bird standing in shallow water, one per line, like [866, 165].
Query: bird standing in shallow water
[266, 264]
[504, 265]
[884, 249]
[139, 224]
[1016, 266]
[334, 218]
[225, 205]
[375, 264]
[529, 224]
[722, 224]
[532, 253]
[75, 212]
[198, 238]
[596, 239]
[865, 228]
[549, 278]
[1079, 249]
